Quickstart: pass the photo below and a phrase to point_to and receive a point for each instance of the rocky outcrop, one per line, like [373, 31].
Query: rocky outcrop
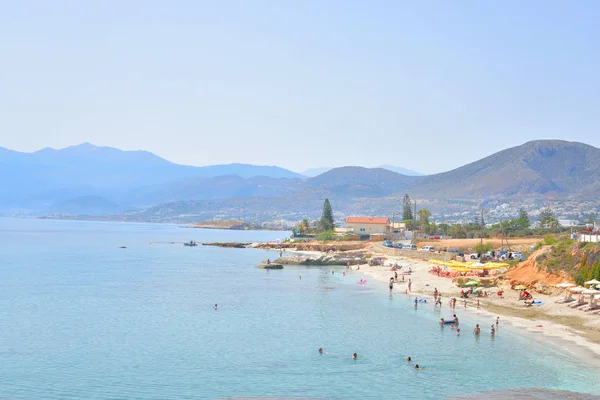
[235, 245]
[266, 265]
[336, 259]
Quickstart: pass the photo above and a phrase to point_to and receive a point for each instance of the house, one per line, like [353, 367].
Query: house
[366, 226]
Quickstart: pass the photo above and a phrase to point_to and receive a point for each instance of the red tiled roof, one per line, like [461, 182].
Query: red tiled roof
[367, 220]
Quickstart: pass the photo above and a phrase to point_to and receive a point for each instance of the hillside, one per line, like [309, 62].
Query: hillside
[548, 168]
[35, 181]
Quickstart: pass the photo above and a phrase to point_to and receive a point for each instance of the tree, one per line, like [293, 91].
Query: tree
[523, 219]
[326, 221]
[407, 208]
[547, 219]
[424, 215]
[411, 224]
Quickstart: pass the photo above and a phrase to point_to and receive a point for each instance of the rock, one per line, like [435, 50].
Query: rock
[234, 245]
[266, 265]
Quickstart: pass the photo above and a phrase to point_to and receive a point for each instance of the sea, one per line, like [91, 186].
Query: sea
[112, 310]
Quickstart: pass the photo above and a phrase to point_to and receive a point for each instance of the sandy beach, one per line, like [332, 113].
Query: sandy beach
[572, 329]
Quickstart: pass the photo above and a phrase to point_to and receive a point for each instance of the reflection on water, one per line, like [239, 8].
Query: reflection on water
[526, 394]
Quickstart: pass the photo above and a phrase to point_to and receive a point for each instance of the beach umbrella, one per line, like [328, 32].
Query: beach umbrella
[592, 282]
[565, 285]
[472, 283]
[577, 289]
[520, 287]
[590, 291]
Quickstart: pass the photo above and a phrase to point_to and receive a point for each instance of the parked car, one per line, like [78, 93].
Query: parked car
[457, 252]
[474, 256]
[409, 247]
[388, 243]
[430, 249]
[398, 245]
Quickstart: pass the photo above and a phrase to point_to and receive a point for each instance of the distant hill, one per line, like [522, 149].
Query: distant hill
[548, 168]
[400, 170]
[94, 180]
[35, 181]
[85, 205]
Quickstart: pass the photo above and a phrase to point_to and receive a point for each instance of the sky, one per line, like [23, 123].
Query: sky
[426, 85]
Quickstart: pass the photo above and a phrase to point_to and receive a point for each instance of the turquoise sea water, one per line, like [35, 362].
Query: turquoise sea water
[83, 319]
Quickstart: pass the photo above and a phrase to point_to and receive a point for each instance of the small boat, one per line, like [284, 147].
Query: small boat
[190, 243]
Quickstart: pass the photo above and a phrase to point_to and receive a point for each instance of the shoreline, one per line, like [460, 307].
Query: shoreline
[566, 331]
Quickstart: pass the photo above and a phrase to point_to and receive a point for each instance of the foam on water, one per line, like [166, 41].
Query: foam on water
[85, 319]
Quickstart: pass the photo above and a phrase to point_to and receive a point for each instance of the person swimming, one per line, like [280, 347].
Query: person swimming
[408, 359]
[458, 332]
[320, 350]
[354, 356]
[417, 366]
[216, 307]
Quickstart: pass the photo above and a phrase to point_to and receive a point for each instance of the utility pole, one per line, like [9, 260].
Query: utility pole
[392, 231]
[481, 238]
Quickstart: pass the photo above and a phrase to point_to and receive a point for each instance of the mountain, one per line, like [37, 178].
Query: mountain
[34, 181]
[85, 205]
[97, 180]
[547, 168]
[401, 170]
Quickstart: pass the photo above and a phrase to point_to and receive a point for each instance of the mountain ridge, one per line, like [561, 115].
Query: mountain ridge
[542, 168]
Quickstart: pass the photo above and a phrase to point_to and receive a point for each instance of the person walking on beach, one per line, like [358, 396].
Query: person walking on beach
[435, 294]
[409, 284]
[478, 304]
[396, 276]
[465, 301]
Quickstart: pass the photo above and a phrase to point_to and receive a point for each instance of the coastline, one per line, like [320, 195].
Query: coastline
[563, 327]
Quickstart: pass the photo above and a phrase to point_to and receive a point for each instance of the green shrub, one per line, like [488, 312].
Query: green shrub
[326, 235]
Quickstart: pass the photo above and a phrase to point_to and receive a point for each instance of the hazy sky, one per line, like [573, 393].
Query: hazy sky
[426, 85]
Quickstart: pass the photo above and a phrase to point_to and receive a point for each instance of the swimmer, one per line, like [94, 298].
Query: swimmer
[408, 359]
[417, 366]
[300, 277]
[458, 332]
[442, 322]
[477, 330]
[216, 307]
[455, 319]
[320, 350]
[354, 356]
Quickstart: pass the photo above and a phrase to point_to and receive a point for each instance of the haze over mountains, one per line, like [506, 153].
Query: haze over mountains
[91, 180]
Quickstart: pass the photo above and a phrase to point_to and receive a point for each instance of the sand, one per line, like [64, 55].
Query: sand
[574, 330]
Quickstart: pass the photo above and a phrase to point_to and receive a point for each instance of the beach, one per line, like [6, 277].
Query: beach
[576, 331]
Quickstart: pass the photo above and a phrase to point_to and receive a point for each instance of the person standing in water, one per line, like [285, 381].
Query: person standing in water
[477, 330]
[216, 308]
[354, 356]
[493, 330]
[416, 302]
[391, 284]
[497, 320]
